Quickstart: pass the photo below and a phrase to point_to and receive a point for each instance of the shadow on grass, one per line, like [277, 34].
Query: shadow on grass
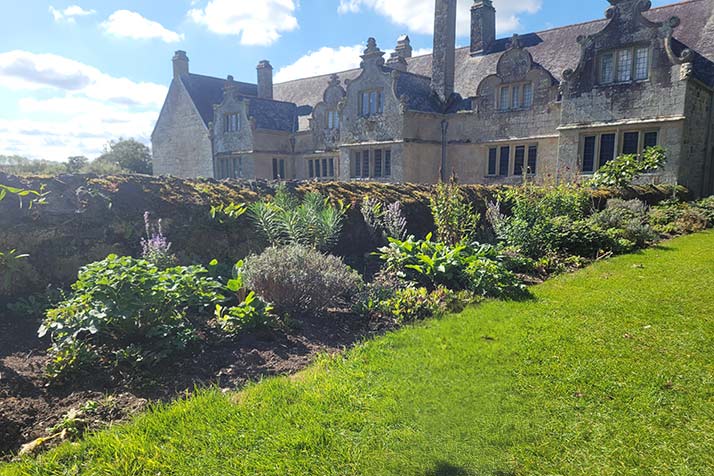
[443, 468]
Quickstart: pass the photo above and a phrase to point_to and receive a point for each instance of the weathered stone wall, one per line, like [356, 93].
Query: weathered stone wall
[88, 217]
[181, 144]
[695, 145]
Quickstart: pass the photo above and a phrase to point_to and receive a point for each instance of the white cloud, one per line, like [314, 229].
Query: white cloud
[257, 22]
[69, 108]
[23, 70]
[418, 15]
[70, 13]
[128, 24]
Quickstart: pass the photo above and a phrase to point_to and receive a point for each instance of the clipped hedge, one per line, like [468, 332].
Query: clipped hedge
[88, 217]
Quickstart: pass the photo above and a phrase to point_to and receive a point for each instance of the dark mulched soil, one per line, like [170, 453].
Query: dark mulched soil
[29, 406]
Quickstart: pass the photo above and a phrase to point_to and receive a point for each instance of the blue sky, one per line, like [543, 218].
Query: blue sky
[75, 74]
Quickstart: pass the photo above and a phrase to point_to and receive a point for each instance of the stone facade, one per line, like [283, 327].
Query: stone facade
[547, 106]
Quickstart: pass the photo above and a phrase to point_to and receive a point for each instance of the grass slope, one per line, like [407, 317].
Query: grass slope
[608, 371]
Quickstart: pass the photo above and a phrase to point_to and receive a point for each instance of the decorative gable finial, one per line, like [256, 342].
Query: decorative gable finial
[627, 7]
[515, 43]
[372, 54]
[334, 80]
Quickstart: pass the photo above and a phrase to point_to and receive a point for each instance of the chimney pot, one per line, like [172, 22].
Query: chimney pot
[180, 63]
[265, 80]
[404, 47]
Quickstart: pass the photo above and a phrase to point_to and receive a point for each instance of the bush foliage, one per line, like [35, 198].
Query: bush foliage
[298, 279]
[124, 308]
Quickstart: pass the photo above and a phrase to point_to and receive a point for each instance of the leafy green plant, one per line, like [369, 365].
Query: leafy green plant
[251, 313]
[228, 211]
[121, 303]
[461, 267]
[454, 216]
[297, 279]
[629, 220]
[412, 304]
[312, 222]
[673, 217]
[623, 170]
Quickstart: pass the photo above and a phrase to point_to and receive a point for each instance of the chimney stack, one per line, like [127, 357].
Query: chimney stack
[265, 80]
[180, 61]
[404, 47]
[444, 56]
[483, 27]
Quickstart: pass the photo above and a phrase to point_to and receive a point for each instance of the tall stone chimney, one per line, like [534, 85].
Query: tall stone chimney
[180, 61]
[265, 80]
[483, 27]
[444, 56]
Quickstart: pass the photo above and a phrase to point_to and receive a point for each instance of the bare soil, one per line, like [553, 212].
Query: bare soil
[30, 406]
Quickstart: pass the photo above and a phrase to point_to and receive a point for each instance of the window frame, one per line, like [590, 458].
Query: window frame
[615, 56]
[618, 147]
[494, 159]
[231, 123]
[371, 102]
[511, 97]
[371, 163]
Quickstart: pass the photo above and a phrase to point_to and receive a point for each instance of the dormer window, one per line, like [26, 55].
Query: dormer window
[624, 65]
[231, 122]
[371, 102]
[514, 97]
[333, 120]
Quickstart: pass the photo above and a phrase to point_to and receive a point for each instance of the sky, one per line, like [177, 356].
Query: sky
[76, 74]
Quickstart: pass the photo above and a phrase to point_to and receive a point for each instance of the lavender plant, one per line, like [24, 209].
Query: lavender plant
[156, 248]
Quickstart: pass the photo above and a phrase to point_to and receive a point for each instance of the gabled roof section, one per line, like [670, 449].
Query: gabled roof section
[273, 115]
[205, 91]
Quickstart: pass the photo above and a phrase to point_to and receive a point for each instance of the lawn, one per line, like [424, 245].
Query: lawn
[608, 371]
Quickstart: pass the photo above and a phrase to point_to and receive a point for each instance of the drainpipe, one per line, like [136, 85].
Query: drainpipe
[444, 130]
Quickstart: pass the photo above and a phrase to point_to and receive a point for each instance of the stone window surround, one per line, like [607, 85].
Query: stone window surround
[328, 167]
[229, 167]
[332, 120]
[279, 170]
[619, 133]
[378, 102]
[518, 86]
[231, 122]
[614, 53]
[512, 145]
[386, 163]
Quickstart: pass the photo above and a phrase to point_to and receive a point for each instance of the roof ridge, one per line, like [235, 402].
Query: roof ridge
[219, 79]
[563, 27]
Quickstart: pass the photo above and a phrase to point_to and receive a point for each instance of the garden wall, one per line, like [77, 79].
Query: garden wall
[87, 217]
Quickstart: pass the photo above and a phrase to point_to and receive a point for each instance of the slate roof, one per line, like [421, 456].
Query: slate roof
[205, 91]
[556, 50]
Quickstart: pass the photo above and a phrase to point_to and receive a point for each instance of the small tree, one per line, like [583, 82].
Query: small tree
[622, 171]
[128, 154]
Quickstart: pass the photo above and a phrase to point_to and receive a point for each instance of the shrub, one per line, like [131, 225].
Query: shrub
[628, 220]
[412, 304]
[706, 207]
[370, 301]
[461, 267]
[537, 217]
[674, 217]
[312, 222]
[156, 248]
[122, 304]
[623, 170]
[454, 216]
[298, 279]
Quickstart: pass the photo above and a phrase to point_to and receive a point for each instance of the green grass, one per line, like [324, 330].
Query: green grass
[609, 371]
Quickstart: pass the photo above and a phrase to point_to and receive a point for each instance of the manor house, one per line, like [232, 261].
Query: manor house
[551, 105]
